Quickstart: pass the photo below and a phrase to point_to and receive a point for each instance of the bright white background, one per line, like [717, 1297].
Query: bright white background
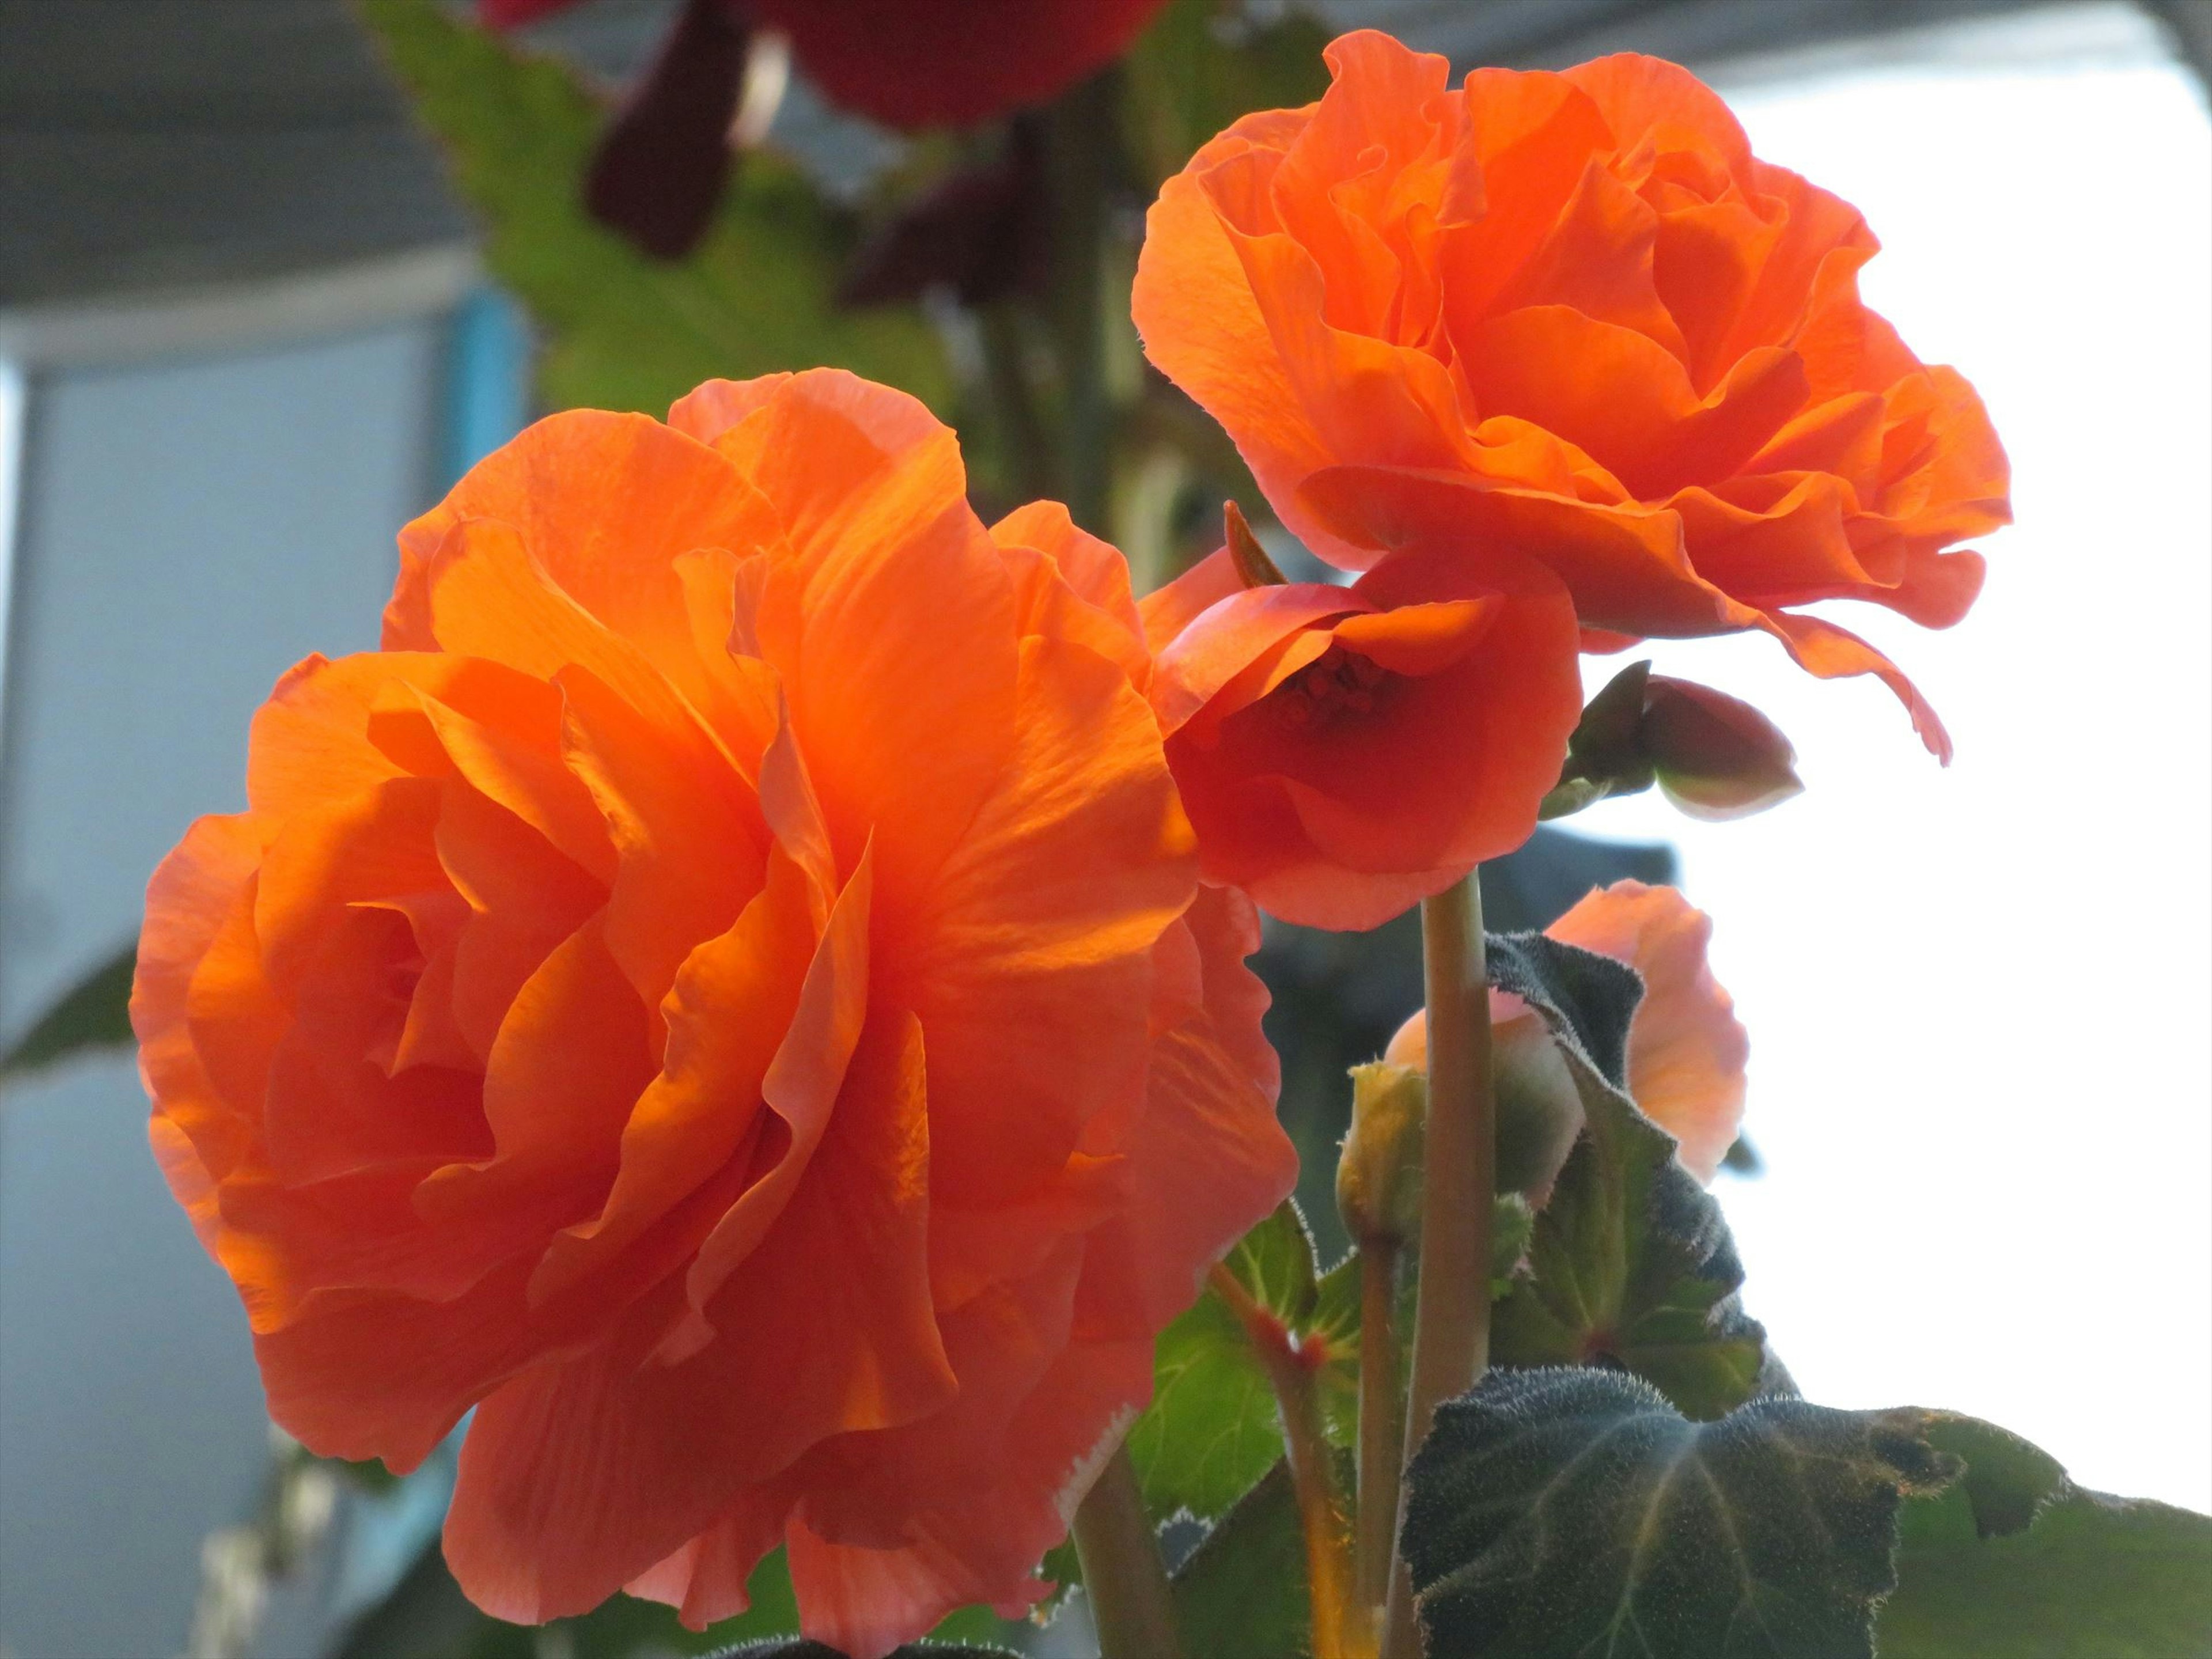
[1978, 999]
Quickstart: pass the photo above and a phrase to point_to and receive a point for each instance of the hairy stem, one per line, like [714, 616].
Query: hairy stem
[1341, 1629]
[1122, 1575]
[1451, 1319]
[1382, 1436]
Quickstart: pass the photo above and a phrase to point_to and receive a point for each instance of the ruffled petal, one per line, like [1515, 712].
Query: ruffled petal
[1029, 961]
[1687, 1049]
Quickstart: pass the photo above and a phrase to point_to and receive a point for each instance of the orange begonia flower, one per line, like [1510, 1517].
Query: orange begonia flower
[725, 994]
[1345, 751]
[1687, 1049]
[1573, 314]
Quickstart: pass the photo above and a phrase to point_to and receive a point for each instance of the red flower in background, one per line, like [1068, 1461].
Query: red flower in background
[951, 63]
[912, 63]
[908, 64]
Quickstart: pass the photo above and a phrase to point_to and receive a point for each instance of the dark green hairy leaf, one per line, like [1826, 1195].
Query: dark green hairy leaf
[1588, 999]
[625, 331]
[94, 1013]
[2016, 1562]
[1629, 1262]
[1629, 1265]
[1557, 1513]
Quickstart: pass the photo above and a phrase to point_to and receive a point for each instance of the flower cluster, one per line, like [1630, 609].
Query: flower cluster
[745, 991]
[1567, 320]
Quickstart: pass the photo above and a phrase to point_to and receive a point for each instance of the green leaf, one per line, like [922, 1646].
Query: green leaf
[1203, 64]
[94, 1013]
[1212, 1429]
[1556, 1513]
[622, 330]
[1242, 1593]
[1629, 1262]
[2016, 1562]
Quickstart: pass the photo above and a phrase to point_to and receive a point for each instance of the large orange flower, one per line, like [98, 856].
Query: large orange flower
[1572, 313]
[1345, 751]
[1687, 1049]
[725, 994]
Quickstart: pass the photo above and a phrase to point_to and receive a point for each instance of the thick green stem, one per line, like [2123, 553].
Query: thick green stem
[1382, 1439]
[1122, 1576]
[1451, 1321]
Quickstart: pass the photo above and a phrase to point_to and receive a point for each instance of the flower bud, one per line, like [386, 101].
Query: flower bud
[1539, 1109]
[1715, 755]
[1604, 755]
[1378, 1173]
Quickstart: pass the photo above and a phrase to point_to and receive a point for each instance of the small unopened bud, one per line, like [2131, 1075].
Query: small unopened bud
[1604, 757]
[1715, 755]
[1539, 1111]
[1378, 1175]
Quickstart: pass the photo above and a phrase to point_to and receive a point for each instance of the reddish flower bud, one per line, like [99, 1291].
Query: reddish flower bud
[1714, 755]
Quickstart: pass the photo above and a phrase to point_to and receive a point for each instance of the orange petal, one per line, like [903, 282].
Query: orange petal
[1831, 652]
[1207, 1151]
[1027, 959]
[1071, 585]
[1229, 636]
[1687, 1049]
[606, 504]
[980, 1547]
[884, 547]
[1626, 566]
[193, 893]
[651, 1454]
[1203, 325]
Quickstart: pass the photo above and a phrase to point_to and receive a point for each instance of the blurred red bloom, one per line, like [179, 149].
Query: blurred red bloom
[911, 64]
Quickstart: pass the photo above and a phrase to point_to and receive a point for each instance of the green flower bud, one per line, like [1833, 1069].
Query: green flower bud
[1540, 1110]
[1378, 1173]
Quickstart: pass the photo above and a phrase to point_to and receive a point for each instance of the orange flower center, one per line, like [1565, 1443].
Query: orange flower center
[1336, 683]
